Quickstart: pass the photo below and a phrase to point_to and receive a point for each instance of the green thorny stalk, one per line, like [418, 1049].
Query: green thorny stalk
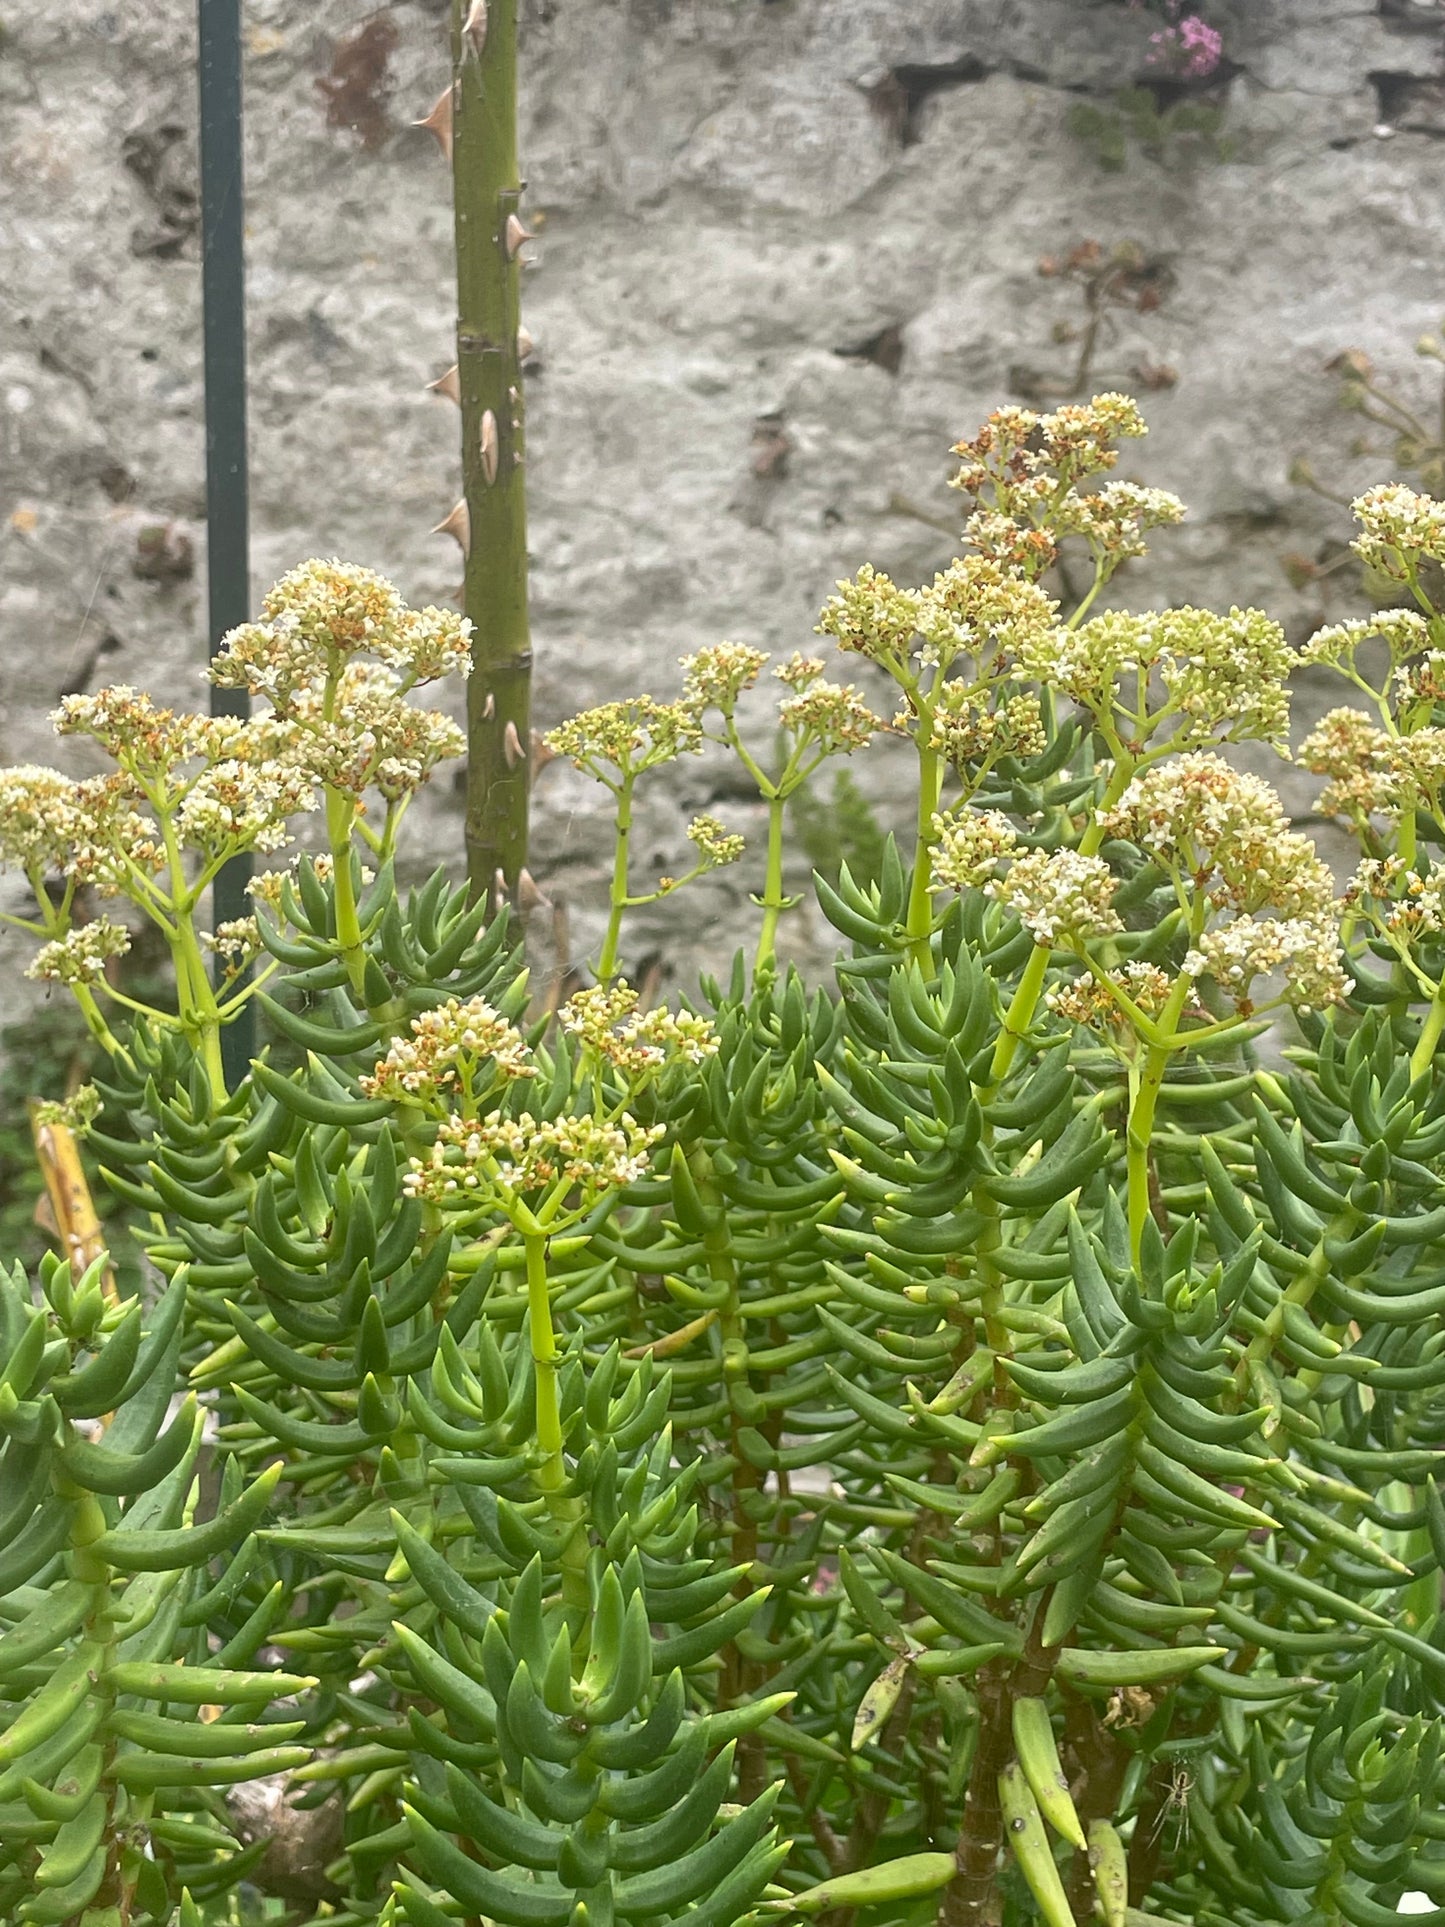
[487, 194]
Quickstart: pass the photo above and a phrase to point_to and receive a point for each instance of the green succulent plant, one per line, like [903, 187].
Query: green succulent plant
[955, 1443]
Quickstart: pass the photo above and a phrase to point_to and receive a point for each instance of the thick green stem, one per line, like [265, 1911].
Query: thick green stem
[551, 1473]
[919, 923]
[1031, 983]
[340, 815]
[1423, 1055]
[774, 901]
[617, 896]
[487, 193]
[1144, 1099]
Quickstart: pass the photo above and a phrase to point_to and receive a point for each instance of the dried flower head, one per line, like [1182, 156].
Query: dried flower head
[1086, 1001]
[75, 1113]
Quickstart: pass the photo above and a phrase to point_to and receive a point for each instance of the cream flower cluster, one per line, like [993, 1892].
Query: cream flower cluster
[519, 1156]
[1114, 519]
[641, 1045]
[1405, 633]
[976, 606]
[967, 729]
[1359, 757]
[446, 1048]
[833, 715]
[1218, 671]
[1086, 1001]
[1060, 896]
[631, 736]
[716, 845]
[376, 739]
[1399, 900]
[321, 615]
[80, 956]
[1224, 830]
[1306, 950]
[1019, 446]
[970, 846]
[86, 830]
[714, 677]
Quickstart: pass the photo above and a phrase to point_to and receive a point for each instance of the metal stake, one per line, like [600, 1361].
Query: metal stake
[223, 285]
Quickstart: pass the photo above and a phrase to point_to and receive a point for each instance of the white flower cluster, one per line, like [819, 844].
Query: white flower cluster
[1305, 949]
[1060, 896]
[1399, 528]
[1113, 520]
[1223, 830]
[80, 956]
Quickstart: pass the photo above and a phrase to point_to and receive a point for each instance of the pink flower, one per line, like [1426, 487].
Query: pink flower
[1191, 50]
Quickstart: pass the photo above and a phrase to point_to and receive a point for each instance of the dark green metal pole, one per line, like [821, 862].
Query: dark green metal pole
[223, 286]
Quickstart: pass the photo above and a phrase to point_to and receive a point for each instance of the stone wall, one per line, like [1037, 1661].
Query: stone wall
[788, 253]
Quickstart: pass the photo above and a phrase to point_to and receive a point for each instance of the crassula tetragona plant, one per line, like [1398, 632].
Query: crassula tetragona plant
[951, 1443]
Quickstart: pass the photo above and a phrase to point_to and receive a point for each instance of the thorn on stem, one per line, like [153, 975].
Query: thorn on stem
[458, 525]
[515, 237]
[512, 745]
[439, 121]
[489, 446]
[449, 384]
